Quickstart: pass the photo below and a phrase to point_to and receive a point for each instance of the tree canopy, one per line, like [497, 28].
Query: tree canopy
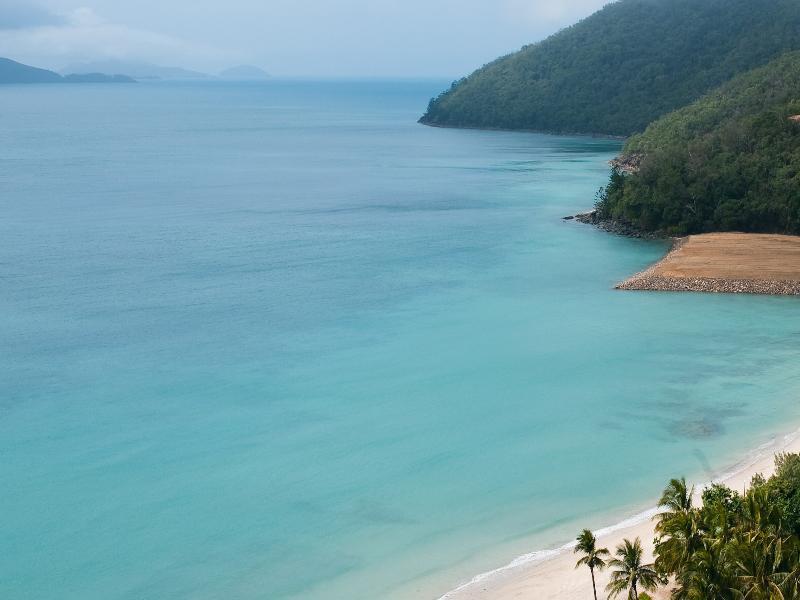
[621, 68]
[732, 546]
[730, 161]
[735, 545]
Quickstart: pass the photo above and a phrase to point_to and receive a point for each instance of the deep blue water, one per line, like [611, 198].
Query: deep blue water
[279, 341]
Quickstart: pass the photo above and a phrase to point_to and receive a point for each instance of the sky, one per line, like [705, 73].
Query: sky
[291, 38]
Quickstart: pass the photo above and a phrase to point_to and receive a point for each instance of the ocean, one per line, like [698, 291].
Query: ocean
[280, 341]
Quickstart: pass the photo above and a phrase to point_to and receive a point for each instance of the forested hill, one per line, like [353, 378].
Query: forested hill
[730, 161]
[621, 68]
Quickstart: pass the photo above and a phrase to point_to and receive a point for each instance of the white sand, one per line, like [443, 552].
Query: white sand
[557, 578]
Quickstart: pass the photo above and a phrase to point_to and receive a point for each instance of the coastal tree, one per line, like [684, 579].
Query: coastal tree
[733, 546]
[762, 567]
[676, 498]
[708, 575]
[629, 573]
[678, 528]
[593, 557]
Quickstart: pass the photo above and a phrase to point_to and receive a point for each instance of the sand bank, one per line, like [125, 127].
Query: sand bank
[739, 263]
[555, 577]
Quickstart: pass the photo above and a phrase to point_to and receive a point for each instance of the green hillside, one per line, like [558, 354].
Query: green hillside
[730, 161]
[623, 67]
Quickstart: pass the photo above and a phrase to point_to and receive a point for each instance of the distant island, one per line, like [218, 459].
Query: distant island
[14, 72]
[142, 71]
[97, 78]
[123, 72]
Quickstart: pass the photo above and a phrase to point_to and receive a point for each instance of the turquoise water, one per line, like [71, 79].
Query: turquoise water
[278, 341]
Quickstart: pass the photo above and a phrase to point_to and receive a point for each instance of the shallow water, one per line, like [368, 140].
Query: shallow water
[279, 341]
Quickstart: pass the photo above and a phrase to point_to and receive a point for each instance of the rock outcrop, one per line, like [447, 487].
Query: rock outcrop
[628, 164]
[592, 217]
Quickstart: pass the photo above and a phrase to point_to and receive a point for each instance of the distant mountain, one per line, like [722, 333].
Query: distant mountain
[136, 70]
[14, 72]
[622, 67]
[244, 73]
[97, 78]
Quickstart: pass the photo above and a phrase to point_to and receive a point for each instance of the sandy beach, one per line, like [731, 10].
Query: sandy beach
[556, 577]
[726, 263]
[721, 262]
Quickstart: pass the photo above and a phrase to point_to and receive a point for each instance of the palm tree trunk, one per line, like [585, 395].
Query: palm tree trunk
[594, 586]
[635, 593]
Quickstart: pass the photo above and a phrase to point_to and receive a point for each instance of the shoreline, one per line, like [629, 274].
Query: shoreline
[725, 263]
[600, 136]
[550, 574]
[614, 226]
[720, 263]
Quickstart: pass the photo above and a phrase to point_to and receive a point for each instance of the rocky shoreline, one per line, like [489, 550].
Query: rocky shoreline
[614, 226]
[723, 270]
[710, 285]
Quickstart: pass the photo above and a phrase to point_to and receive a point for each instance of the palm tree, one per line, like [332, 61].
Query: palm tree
[709, 575]
[761, 562]
[593, 557]
[678, 528]
[630, 573]
[679, 539]
[677, 498]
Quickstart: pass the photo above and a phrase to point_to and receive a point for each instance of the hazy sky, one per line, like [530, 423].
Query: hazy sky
[328, 38]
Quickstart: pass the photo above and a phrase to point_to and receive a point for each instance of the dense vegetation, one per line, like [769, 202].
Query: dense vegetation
[730, 161]
[623, 67]
[735, 546]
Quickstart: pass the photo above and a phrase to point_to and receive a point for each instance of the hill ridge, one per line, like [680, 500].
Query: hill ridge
[620, 68]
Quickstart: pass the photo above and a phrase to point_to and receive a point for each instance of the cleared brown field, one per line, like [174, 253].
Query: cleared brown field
[726, 262]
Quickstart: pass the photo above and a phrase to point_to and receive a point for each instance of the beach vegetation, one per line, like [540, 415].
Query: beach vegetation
[629, 574]
[593, 557]
[732, 546]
